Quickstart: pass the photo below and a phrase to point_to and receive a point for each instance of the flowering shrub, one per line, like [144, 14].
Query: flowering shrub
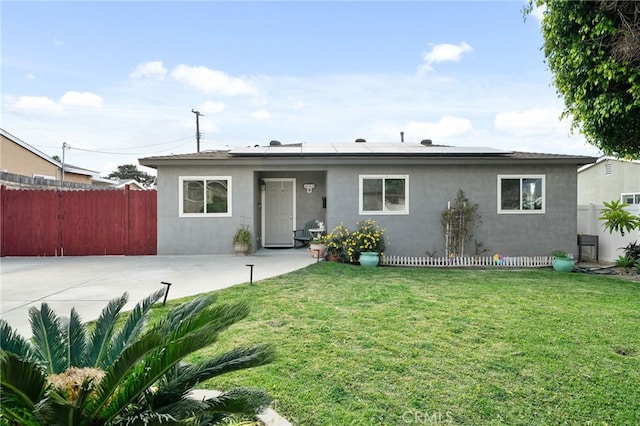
[337, 242]
[348, 245]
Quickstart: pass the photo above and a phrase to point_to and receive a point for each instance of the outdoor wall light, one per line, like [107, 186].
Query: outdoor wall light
[309, 187]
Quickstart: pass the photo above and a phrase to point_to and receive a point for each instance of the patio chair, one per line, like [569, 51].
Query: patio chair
[303, 236]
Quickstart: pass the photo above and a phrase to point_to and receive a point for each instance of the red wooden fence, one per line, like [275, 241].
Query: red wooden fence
[77, 223]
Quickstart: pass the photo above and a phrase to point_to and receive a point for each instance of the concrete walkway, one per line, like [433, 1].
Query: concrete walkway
[89, 282]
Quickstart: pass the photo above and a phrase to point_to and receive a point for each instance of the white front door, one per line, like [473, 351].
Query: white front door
[278, 212]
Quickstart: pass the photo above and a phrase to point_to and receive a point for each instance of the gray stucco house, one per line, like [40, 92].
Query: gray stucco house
[527, 201]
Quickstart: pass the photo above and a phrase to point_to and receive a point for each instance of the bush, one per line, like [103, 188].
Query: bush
[632, 250]
[348, 245]
[625, 262]
[124, 372]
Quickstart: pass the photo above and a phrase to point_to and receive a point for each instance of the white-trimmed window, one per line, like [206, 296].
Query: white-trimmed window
[205, 196]
[630, 198]
[521, 194]
[384, 194]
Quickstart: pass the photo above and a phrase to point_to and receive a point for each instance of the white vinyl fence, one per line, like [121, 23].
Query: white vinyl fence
[471, 261]
[610, 245]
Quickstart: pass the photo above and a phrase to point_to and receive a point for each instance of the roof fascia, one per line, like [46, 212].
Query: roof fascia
[350, 160]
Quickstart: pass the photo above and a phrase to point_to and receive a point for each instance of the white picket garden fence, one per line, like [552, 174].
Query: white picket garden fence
[470, 261]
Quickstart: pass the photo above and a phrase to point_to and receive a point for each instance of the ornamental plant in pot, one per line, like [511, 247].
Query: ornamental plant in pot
[318, 248]
[367, 243]
[563, 262]
[242, 240]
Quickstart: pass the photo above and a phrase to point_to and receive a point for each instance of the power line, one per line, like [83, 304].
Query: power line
[124, 153]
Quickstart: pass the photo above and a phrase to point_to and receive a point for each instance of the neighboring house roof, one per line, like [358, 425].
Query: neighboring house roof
[360, 153]
[131, 182]
[67, 167]
[601, 159]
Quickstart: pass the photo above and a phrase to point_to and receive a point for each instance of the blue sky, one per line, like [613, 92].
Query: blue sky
[118, 80]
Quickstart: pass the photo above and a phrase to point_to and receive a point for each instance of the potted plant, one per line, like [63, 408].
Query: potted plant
[318, 247]
[242, 240]
[562, 261]
[367, 244]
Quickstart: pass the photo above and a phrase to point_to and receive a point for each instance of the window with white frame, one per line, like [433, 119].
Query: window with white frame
[208, 196]
[521, 194]
[630, 198]
[384, 194]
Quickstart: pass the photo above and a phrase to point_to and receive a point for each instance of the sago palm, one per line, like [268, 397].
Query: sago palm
[128, 374]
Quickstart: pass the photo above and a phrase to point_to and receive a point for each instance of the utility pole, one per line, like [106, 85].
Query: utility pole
[65, 146]
[198, 115]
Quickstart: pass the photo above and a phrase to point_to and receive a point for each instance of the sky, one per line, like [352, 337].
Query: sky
[118, 80]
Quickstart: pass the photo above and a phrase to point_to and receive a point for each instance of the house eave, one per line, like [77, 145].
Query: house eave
[354, 160]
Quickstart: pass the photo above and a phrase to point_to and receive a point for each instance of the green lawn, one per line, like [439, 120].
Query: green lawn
[393, 346]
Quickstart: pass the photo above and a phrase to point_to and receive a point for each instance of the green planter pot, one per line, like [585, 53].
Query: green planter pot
[369, 258]
[563, 264]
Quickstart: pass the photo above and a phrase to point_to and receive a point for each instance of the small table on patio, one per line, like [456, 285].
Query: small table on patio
[316, 232]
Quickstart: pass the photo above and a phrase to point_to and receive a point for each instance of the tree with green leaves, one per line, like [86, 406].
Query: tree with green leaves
[130, 171]
[616, 218]
[593, 50]
[110, 374]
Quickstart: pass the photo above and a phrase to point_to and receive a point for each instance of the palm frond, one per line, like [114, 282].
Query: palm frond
[22, 383]
[48, 338]
[195, 332]
[183, 408]
[193, 306]
[147, 418]
[239, 401]
[101, 335]
[76, 340]
[153, 367]
[215, 319]
[118, 374]
[133, 326]
[11, 341]
[61, 410]
[191, 375]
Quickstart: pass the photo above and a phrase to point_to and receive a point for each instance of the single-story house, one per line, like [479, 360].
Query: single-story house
[527, 201]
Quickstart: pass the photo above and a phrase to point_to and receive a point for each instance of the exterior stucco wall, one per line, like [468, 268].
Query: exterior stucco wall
[18, 160]
[202, 235]
[415, 234]
[213, 235]
[431, 187]
[595, 186]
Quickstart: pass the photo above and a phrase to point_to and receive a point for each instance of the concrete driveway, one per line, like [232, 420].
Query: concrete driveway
[88, 283]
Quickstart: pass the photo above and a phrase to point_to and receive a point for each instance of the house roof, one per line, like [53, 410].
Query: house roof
[67, 167]
[601, 159]
[359, 153]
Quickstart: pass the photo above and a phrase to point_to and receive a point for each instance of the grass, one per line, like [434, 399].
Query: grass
[392, 346]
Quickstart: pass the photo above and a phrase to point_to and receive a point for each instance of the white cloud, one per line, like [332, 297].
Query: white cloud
[447, 127]
[85, 99]
[30, 77]
[58, 43]
[34, 104]
[535, 121]
[261, 115]
[210, 107]
[445, 52]
[154, 69]
[212, 81]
